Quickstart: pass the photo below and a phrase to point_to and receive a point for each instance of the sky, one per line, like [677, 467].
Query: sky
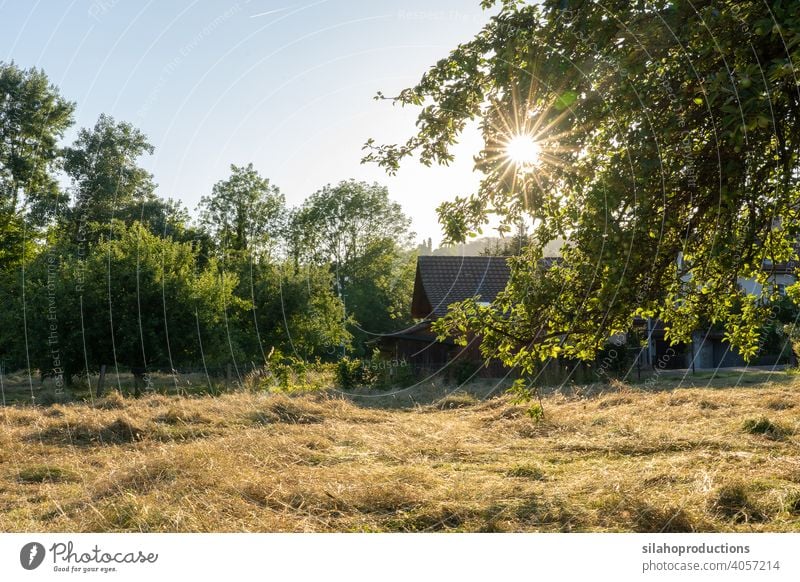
[285, 84]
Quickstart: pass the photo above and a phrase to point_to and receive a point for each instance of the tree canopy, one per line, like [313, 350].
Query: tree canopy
[660, 139]
[244, 212]
[33, 117]
[356, 229]
[106, 177]
[101, 271]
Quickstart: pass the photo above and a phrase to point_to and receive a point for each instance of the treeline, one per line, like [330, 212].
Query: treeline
[97, 270]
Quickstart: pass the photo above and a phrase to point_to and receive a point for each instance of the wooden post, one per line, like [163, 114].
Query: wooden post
[101, 381]
[138, 375]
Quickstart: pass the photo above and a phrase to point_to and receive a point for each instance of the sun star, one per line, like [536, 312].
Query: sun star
[523, 150]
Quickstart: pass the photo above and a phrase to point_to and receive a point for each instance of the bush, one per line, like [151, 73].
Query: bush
[289, 373]
[352, 373]
[376, 372]
[465, 371]
[398, 375]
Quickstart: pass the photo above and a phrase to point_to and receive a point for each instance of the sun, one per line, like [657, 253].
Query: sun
[523, 150]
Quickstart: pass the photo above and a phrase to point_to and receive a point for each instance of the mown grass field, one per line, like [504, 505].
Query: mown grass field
[713, 455]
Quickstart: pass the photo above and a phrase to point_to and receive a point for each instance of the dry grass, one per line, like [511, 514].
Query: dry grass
[610, 459]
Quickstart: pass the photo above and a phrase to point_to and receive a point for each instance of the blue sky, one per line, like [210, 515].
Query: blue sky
[285, 84]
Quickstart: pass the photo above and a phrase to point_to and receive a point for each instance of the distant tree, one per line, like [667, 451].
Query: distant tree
[425, 247]
[244, 212]
[167, 218]
[33, 116]
[107, 181]
[339, 223]
[364, 237]
[511, 246]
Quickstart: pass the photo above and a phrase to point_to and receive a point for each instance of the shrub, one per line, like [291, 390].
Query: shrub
[288, 373]
[353, 372]
[398, 374]
[465, 371]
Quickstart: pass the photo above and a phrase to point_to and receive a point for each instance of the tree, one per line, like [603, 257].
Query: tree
[167, 218]
[107, 181]
[364, 237]
[511, 246]
[137, 300]
[294, 311]
[33, 116]
[244, 212]
[659, 138]
[338, 223]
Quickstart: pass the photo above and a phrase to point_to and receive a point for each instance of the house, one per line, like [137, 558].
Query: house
[443, 280]
[440, 281]
[708, 348]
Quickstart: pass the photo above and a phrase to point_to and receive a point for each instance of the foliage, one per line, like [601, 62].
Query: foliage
[339, 224]
[524, 394]
[33, 116]
[354, 373]
[107, 181]
[290, 374]
[374, 372]
[292, 310]
[669, 134]
[465, 370]
[364, 237]
[147, 311]
[108, 273]
[244, 212]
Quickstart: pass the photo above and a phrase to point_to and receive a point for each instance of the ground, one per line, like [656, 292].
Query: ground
[672, 454]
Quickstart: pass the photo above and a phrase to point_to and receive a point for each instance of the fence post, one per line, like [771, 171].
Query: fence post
[101, 381]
